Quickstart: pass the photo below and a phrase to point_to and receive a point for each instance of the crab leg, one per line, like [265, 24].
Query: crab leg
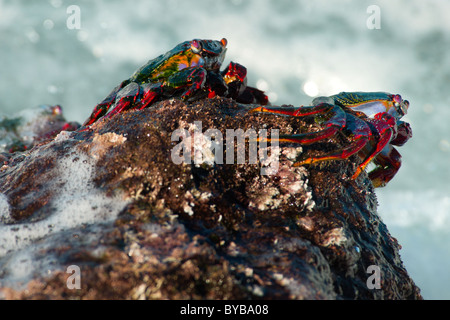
[404, 133]
[361, 133]
[125, 99]
[340, 154]
[150, 92]
[333, 125]
[294, 111]
[102, 108]
[385, 125]
[192, 78]
[388, 162]
[382, 142]
[252, 95]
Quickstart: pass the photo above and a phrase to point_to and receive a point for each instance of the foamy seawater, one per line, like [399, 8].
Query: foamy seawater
[75, 205]
[294, 50]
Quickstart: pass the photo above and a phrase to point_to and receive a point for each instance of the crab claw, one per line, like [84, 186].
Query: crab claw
[387, 162]
[404, 133]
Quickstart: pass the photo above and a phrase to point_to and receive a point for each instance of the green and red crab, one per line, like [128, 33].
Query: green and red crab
[191, 70]
[370, 120]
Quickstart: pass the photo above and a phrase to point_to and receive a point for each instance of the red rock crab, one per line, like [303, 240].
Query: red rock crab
[371, 121]
[189, 71]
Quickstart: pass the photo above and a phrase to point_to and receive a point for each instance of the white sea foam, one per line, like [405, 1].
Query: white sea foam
[76, 203]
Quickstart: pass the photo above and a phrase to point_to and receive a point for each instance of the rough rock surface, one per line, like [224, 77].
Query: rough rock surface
[112, 202]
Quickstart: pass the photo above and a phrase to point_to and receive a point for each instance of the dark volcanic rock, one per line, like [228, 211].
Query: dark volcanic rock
[112, 202]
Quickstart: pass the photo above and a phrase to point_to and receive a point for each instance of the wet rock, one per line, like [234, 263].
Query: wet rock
[114, 202]
[31, 126]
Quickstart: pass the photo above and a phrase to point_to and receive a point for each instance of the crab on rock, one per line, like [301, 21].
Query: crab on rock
[189, 71]
[371, 121]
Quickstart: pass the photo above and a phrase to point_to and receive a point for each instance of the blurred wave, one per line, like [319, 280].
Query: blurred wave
[293, 50]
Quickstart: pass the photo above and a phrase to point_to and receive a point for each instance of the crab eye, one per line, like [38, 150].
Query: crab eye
[405, 106]
[224, 42]
[397, 99]
[196, 46]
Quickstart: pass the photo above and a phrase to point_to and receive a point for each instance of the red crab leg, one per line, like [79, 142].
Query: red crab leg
[340, 154]
[151, 92]
[147, 99]
[234, 72]
[360, 136]
[385, 137]
[121, 106]
[388, 162]
[196, 80]
[98, 112]
[102, 108]
[385, 125]
[404, 133]
[333, 125]
[125, 99]
[295, 111]
[252, 95]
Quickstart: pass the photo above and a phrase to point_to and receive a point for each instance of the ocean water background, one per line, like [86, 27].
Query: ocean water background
[294, 50]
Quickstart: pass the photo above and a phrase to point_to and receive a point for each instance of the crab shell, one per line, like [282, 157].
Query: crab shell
[208, 54]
